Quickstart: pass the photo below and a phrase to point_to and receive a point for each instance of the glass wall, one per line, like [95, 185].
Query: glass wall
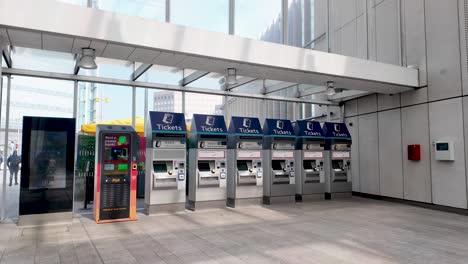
[151, 9]
[210, 15]
[258, 19]
[28, 97]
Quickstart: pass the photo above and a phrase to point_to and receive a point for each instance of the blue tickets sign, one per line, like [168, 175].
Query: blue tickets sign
[167, 122]
[304, 128]
[336, 131]
[245, 125]
[278, 127]
[208, 124]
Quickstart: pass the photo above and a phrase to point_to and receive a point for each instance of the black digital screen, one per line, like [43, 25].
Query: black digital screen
[116, 154]
[242, 166]
[204, 166]
[307, 164]
[276, 165]
[442, 146]
[159, 167]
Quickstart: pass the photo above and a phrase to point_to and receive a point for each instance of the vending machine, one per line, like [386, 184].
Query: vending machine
[337, 159]
[244, 162]
[310, 173]
[166, 137]
[207, 162]
[279, 181]
[115, 179]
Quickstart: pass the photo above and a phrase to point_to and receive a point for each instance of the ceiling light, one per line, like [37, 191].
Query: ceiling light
[330, 88]
[87, 60]
[231, 76]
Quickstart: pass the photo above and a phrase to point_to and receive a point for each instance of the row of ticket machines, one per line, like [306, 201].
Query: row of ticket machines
[212, 166]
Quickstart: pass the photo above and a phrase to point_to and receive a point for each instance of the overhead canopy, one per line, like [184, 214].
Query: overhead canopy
[139, 125]
[52, 25]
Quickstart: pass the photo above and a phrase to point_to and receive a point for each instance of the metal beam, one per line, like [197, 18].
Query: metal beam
[192, 77]
[7, 56]
[279, 87]
[348, 95]
[240, 82]
[311, 91]
[140, 71]
[167, 87]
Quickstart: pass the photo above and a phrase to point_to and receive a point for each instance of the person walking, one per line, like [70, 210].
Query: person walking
[13, 164]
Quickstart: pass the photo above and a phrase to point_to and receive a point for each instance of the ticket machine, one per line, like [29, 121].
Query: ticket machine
[338, 158]
[244, 161]
[207, 162]
[166, 137]
[115, 178]
[278, 161]
[310, 175]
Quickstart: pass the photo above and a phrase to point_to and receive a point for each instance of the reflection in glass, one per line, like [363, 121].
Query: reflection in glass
[259, 19]
[43, 60]
[48, 159]
[151, 9]
[210, 15]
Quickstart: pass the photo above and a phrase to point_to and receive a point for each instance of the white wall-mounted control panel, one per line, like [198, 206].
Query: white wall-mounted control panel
[444, 150]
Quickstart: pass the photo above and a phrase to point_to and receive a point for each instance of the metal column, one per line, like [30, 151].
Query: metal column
[5, 148]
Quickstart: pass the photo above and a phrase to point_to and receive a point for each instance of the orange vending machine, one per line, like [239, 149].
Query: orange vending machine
[115, 179]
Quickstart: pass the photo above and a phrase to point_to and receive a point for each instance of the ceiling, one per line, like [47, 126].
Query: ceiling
[187, 48]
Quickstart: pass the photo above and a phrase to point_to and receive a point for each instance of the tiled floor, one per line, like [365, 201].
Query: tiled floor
[347, 231]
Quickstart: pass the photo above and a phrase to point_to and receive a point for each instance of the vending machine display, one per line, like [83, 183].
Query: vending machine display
[310, 175]
[207, 162]
[338, 158]
[244, 159]
[279, 177]
[165, 162]
[116, 174]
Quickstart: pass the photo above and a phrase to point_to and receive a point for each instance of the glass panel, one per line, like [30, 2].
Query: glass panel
[43, 60]
[30, 97]
[259, 19]
[210, 81]
[202, 104]
[151, 9]
[210, 15]
[75, 2]
[162, 74]
[307, 24]
[110, 68]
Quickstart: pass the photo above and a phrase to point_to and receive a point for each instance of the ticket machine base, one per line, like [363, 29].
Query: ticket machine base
[270, 200]
[164, 208]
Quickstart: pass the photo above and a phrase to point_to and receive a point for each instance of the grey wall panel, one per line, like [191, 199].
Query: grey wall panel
[387, 27]
[443, 49]
[415, 36]
[348, 39]
[353, 126]
[371, 36]
[347, 12]
[448, 178]
[462, 11]
[416, 174]
[390, 154]
[350, 108]
[414, 97]
[360, 7]
[465, 125]
[385, 101]
[367, 104]
[361, 37]
[369, 154]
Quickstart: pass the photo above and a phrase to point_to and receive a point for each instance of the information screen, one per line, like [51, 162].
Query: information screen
[160, 167]
[116, 174]
[276, 165]
[204, 166]
[48, 159]
[442, 146]
[242, 166]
